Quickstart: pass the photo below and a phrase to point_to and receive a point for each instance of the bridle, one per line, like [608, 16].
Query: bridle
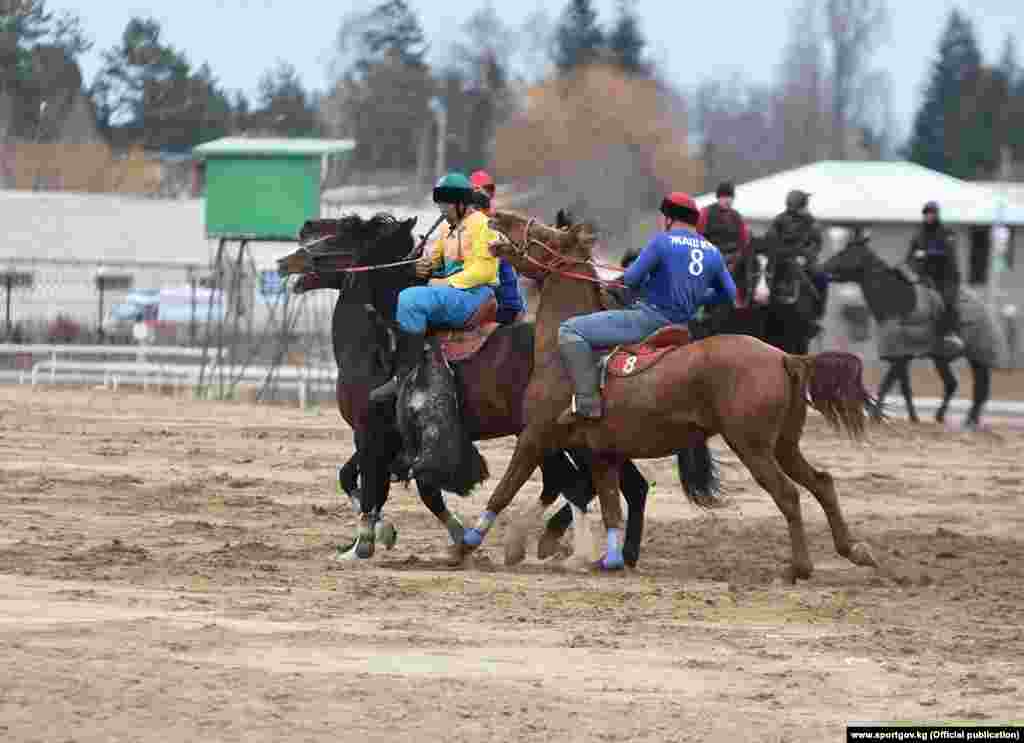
[560, 263]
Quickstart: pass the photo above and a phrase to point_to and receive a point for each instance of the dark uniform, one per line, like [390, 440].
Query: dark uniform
[933, 252]
[723, 227]
[797, 235]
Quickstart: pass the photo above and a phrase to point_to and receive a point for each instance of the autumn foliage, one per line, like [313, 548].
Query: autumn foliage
[598, 109]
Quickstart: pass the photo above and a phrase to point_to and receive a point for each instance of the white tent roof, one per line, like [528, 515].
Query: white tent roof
[875, 192]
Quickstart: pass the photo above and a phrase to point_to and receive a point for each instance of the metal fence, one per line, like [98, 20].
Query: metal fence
[232, 322]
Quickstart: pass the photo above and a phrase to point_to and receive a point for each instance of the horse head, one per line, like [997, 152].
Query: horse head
[850, 264]
[760, 271]
[535, 249]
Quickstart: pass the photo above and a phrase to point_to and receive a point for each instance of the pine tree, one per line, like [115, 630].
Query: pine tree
[579, 40]
[934, 130]
[626, 42]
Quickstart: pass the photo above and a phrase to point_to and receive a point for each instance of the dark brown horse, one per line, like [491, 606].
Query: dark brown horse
[358, 257]
[754, 395]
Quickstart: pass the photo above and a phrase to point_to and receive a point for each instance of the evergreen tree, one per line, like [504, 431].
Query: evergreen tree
[392, 29]
[934, 129]
[626, 42]
[147, 89]
[579, 40]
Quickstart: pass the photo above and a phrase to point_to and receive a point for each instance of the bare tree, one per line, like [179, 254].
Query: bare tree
[801, 108]
[854, 29]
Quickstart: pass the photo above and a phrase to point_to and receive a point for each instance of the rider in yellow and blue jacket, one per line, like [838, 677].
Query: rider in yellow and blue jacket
[462, 273]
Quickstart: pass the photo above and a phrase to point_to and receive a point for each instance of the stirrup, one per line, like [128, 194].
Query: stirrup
[572, 413]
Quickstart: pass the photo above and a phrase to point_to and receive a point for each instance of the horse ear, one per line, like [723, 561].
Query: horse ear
[409, 223]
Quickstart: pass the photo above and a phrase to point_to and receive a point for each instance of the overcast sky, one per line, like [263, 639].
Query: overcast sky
[242, 38]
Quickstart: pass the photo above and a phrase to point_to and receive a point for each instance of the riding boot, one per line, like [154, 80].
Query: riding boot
[407, 357]
[579, 361]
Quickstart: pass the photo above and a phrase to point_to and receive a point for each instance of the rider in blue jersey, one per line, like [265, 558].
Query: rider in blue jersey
[673, 276]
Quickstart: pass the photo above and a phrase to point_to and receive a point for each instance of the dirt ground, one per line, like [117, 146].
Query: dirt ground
[166, 575]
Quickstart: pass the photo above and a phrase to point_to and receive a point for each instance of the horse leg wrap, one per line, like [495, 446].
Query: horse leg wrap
[366, 536]
[613, 559]
[455, 528]
[474, 537]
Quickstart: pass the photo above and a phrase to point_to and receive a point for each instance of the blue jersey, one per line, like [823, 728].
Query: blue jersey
[678, 272]
[507, 292]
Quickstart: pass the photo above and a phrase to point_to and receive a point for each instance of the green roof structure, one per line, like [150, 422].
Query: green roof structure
[264, 188]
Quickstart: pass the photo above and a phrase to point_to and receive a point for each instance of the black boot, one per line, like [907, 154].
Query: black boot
[408, 354]
[579, 361]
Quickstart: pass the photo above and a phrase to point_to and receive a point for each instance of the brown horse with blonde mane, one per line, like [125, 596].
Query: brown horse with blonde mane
[752, 394]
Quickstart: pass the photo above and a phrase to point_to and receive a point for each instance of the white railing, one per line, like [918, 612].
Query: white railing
[138, 365]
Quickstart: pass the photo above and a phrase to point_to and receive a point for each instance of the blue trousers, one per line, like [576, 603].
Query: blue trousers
[612, 327]
[438, 306]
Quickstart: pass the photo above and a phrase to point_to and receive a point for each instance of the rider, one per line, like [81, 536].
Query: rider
[933, 248]
[465, 275]
[674, 273]
[511, 303]
[723, 227]
[798, 236]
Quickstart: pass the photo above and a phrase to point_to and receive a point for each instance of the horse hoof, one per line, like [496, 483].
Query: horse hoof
[547, 545]
[386, 533]
[604, 565]
[515, 552]
[861, 554]
[364, 549]
[454, 555]
[792, 574]
[347, 553]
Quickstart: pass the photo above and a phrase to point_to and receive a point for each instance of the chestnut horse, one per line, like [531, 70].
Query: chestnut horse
[753, 394]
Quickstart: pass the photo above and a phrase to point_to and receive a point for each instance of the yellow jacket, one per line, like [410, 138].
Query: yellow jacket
[461, 254]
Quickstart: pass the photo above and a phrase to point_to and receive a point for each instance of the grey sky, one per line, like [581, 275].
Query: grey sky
[242, 38]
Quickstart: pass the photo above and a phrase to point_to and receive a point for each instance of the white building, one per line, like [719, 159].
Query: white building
[888, 197]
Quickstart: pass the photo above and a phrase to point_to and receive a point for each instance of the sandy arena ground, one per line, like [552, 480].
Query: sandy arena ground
[165, 575]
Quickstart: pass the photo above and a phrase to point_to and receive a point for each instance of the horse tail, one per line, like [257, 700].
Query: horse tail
[833, 383]
[698, 473]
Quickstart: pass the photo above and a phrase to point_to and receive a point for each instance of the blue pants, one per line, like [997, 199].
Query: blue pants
[612, 327]
[438, 306]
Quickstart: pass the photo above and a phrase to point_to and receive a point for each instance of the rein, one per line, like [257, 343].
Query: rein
[561, 260]
[413, 257]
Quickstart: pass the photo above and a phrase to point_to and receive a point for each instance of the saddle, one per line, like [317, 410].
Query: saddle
[459, 344]
[627, 361]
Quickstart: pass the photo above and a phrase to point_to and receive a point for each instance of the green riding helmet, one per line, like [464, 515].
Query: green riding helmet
[453, 188]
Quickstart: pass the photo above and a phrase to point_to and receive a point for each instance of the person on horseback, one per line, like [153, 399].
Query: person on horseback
[464, 277]
[723, 227]
[676, 273]
[933, 253]
[798, 238]
[511, 302]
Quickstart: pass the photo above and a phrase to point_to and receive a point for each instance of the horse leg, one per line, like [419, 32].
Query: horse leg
[606, 482]
[382, 444]
[526, 458]
[634, 488]
[949, 385]
[433, 499]
[761, 462]
[903, 374]
[888, 380]
[823, 488]
[560, 476]
[348, 481]
[982, 390]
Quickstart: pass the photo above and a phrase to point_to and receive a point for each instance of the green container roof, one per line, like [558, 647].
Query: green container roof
[273, 147]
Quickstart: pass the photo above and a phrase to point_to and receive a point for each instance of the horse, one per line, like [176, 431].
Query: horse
[907, 312]
[782, 297]
[662, 397]
[357, 257]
